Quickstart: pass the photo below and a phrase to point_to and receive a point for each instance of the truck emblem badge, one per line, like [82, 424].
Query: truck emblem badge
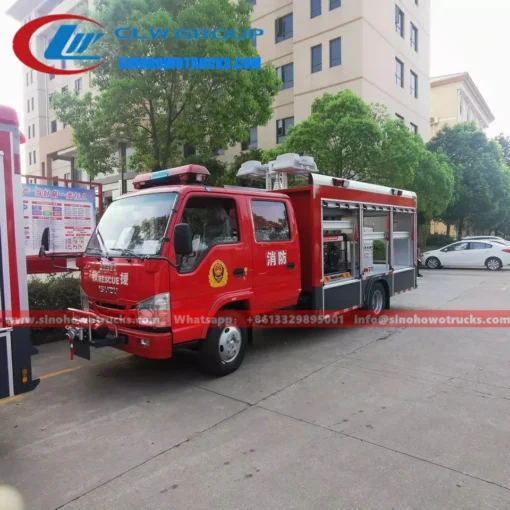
[218, 274]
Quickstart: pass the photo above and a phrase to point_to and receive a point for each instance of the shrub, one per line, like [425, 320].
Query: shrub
[56, 292]
[439, 240]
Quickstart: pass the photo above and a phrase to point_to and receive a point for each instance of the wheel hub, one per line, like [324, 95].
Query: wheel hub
[377, 301]
[229, 344]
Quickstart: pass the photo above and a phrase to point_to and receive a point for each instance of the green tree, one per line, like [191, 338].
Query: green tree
[341, 134]
[481, 183]
[157, 111]
[504, 142]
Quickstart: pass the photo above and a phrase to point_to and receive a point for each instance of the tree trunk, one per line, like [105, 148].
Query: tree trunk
[460, 229]
[448, 229]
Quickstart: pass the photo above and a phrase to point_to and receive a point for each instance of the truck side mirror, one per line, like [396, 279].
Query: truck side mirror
[45, 242]
[182, 239]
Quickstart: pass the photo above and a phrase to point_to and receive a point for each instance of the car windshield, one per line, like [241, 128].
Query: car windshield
[133, 225]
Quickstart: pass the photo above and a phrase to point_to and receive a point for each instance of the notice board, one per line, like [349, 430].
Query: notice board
[70, 213]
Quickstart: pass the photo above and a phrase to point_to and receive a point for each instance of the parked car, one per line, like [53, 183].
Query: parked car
[487, 238]
[491, 254]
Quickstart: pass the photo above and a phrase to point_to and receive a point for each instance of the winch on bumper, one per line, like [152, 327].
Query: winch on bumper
[90, 329]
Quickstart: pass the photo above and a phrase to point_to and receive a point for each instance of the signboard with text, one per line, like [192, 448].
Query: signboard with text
[68, 212]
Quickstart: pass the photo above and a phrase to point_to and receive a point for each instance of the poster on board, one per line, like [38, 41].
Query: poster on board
[70, 213]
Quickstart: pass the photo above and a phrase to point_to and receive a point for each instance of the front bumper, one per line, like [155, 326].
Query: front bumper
[91, 330]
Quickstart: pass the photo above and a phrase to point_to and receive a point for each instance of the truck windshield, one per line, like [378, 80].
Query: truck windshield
[133, 225]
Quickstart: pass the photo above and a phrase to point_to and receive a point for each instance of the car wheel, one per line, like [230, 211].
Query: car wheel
[433, 263]
[377, 300]
[224, 348]
[493, 264]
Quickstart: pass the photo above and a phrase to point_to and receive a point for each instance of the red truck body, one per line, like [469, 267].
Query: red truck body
[269, 251]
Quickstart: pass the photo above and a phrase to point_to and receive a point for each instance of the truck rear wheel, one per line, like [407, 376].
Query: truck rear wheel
[224, 348]
[377, 299]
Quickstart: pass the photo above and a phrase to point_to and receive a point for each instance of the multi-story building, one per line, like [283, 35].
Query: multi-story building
[379, 49]
[455, 98]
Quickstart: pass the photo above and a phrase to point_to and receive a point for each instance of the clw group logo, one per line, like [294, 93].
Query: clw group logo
[66, 44]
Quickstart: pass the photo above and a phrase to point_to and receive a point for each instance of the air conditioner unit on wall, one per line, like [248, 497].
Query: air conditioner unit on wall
[434, 120]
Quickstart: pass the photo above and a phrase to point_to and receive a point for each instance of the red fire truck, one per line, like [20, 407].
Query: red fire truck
[176, 246]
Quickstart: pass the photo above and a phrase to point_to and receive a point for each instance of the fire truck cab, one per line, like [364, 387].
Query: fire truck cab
[180, 250]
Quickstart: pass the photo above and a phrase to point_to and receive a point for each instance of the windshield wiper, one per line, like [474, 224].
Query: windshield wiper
[97, 251]
[130, 253]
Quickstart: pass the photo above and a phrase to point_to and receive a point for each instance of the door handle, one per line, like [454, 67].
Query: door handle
[238, 272]
[291, 265]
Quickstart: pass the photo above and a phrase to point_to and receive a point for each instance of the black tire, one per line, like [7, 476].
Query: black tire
[493, 264]
[377, 300]
[433, 263]
[213, 352]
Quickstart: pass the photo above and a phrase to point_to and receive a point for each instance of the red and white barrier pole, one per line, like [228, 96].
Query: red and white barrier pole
[15, 346]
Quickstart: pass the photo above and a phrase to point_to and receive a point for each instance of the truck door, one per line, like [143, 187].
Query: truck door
[221, 262]
[276, 254]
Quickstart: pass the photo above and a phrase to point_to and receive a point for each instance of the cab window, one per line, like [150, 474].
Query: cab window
[213, 222]
[270, 221]
[480, 246]
[457, 247]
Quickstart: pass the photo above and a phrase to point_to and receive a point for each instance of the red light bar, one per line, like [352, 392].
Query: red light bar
[190, 174]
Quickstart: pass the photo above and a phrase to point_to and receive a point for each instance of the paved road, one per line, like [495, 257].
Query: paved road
[366, 418]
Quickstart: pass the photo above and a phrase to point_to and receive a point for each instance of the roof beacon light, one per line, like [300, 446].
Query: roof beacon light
[398, 192]
[343, 183]
[187, 174]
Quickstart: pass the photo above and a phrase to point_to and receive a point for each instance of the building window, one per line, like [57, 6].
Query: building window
[32, 103]
[284, 28]
[63, 64]
[414, 84]
[414, 128]
[78, 85]
[51, 76]
[65, 89]
[414, 37]
[399, 72]
[399, 117]
[333, 4]
[252, 2]
[254, 42]
[53, 126]
[335, 52]
[67, 177]
[34, 158]
[28, 105]
[252, 142]
[282, 128]
[315, 8]
[286, 74]
[29, 158]
[399, 21]
[31, 76]
[27, 80]
[461, 106]
[317, 58]
[33, 130]
[29, 130]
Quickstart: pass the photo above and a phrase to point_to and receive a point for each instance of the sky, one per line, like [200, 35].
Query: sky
[466, 35]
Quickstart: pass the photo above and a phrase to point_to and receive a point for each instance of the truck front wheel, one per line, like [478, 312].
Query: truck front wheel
[223, 350]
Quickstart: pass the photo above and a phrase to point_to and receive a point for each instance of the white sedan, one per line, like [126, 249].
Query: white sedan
[492, 255]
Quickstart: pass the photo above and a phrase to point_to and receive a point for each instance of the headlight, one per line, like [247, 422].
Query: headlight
[426, 253]
[84, 300]
[155, 311]
[159, 302]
